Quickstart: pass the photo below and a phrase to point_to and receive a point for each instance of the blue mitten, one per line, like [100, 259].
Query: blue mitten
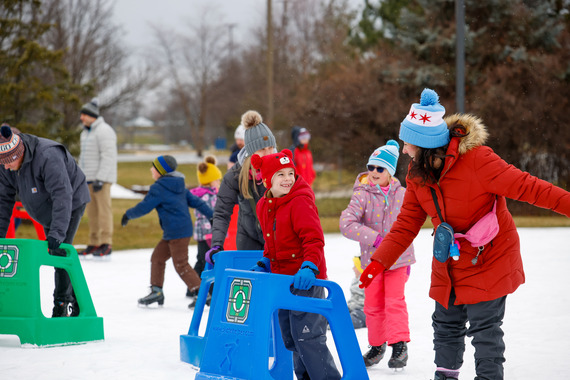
[262, 265]
[306, 276]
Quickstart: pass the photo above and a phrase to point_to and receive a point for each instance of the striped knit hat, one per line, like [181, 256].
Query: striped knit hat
[257, 135]
[165, 164]
[386, 156]
[424, 125]
[91, 108]
[11, 146]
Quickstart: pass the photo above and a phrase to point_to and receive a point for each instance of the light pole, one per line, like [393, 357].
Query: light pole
[269, 116]
[460, 55]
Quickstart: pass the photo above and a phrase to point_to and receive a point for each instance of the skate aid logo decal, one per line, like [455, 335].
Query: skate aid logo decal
[238, 301]
[8, 260]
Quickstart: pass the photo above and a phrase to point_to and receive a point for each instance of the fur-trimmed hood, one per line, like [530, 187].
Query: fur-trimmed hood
[476, 131]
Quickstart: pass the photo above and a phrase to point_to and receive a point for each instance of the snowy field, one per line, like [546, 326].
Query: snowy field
[143, 343]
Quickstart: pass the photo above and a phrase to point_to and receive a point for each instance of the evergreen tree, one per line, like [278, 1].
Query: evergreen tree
[516, 68]
[33, 79]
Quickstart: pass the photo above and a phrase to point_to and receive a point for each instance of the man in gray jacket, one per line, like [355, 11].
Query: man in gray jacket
[98, 160]
[53, 191]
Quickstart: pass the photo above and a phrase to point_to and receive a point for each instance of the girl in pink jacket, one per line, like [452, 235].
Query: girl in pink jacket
[373, 208]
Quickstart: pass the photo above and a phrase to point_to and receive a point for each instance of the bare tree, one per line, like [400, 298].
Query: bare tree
[192, 61]
[95, 57]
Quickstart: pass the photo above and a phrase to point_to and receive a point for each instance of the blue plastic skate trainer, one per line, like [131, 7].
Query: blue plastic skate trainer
[243, 340]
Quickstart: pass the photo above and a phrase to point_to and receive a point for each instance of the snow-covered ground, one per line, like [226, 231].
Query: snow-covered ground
[143, 343]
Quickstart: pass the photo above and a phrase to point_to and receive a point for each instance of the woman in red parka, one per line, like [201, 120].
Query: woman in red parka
[454, 171]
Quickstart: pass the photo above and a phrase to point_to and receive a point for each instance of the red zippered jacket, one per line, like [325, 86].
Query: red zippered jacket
[292, 230]
[304, 163]
[472, 177]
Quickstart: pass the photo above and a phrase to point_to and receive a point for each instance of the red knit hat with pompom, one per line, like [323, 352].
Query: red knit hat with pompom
[271, 163]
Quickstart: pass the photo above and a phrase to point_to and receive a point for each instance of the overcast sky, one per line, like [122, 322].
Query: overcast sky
[135, 16]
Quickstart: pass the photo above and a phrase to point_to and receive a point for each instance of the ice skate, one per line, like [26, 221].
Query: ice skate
[374, 355]
[192, 304]
[399, 357]
[103, 252]
[87, 251]
[156, 295]
[452, 375]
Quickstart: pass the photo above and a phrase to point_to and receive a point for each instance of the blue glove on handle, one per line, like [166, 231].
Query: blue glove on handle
[263, 265]
[211, 252]
[306, 276]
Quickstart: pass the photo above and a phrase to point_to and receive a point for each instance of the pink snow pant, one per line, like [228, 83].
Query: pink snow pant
[385, 308]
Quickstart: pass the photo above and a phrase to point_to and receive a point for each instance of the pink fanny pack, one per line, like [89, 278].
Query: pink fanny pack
[484, 230]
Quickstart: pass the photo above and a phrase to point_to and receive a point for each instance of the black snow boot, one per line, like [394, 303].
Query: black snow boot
[65, 309]
[399, 357]
[374, 355]
[156, 295]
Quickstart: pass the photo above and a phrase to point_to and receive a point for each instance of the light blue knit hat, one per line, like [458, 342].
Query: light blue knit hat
[424, 125]
[386, 156]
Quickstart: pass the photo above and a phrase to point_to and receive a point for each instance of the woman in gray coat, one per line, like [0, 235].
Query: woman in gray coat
[242, 185]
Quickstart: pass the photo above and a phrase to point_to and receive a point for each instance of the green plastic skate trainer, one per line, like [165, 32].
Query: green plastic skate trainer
[20, 305]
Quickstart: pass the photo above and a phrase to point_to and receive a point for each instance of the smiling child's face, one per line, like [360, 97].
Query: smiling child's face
[282, 182]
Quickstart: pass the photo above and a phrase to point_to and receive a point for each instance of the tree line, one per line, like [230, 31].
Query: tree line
[349, 77]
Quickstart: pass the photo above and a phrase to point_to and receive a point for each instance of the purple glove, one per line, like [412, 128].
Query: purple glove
[378, 241]
[211, 252]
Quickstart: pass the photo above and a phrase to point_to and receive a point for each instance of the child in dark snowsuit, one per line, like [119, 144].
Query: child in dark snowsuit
[294, 245]
[171, 199]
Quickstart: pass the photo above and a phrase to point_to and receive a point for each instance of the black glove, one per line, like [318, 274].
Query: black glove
[97, 185]
[124, 220]
[53, 243]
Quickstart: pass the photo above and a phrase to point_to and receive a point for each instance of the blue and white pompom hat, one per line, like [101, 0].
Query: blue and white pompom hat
[386, 156]
[424, 125]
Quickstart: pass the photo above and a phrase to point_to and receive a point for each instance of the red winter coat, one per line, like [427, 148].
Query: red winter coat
[304, 163]
[472, 177]
[292, 230]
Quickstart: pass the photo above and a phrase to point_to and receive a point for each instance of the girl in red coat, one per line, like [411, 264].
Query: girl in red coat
[294, 245]
[456, 179]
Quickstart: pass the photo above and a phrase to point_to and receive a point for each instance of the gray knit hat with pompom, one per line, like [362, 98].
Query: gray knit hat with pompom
[257, 134]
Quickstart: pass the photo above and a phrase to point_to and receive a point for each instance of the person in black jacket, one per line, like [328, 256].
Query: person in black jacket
[242, 185]
[52, 189]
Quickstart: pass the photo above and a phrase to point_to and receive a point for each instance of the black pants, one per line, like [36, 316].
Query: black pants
[485, 320]
[305, 335]
[203, 247]
[63, 291]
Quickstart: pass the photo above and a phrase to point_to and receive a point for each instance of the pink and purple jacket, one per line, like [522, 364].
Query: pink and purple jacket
[371, 213]
[203, 227]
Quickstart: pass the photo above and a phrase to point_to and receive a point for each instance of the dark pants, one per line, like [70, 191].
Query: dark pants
[485, 320]
[305, 335]
[203, 247]
[63, 291]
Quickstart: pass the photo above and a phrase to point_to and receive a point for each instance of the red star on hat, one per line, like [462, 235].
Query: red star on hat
[412, 115]
[425, 118]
